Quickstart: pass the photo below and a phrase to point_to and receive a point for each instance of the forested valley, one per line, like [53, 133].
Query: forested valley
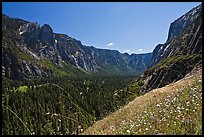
[61, 106]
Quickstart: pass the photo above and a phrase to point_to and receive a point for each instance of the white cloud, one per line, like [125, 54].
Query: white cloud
[110, 44]
[128, 51]
[140, 49]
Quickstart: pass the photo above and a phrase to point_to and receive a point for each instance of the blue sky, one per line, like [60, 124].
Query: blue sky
[133, 27]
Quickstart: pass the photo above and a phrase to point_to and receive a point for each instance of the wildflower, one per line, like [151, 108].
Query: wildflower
[178, 108]
[146, 129]
[113, 129]
[168, 96]
[194, 89]
[158, 105]
[128, 131]
[200, 80]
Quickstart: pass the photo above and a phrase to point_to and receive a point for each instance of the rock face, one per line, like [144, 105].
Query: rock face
[181, 23]
[176, 29]
[182, 51]
[30, 43]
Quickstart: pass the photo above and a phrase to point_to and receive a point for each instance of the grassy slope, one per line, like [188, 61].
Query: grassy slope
[173, 109]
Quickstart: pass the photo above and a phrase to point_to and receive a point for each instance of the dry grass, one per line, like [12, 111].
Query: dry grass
[136, 117]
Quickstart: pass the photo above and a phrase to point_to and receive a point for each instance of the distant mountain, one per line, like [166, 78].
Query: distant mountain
[30, 50]
[181, 52]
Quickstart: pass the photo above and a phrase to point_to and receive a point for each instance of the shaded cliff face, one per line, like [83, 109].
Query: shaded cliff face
[172, 60]
[18, 62]
[181, 23]
[176, 29]
[39, 52]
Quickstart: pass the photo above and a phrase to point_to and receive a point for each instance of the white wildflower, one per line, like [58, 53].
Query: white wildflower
[128, 131]
[194, 89]
[200, 80]
[168, 96]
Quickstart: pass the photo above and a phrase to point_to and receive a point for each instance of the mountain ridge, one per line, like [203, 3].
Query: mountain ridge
[40, 42]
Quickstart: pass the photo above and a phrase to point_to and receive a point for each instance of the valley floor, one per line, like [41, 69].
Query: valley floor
[173, 109]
